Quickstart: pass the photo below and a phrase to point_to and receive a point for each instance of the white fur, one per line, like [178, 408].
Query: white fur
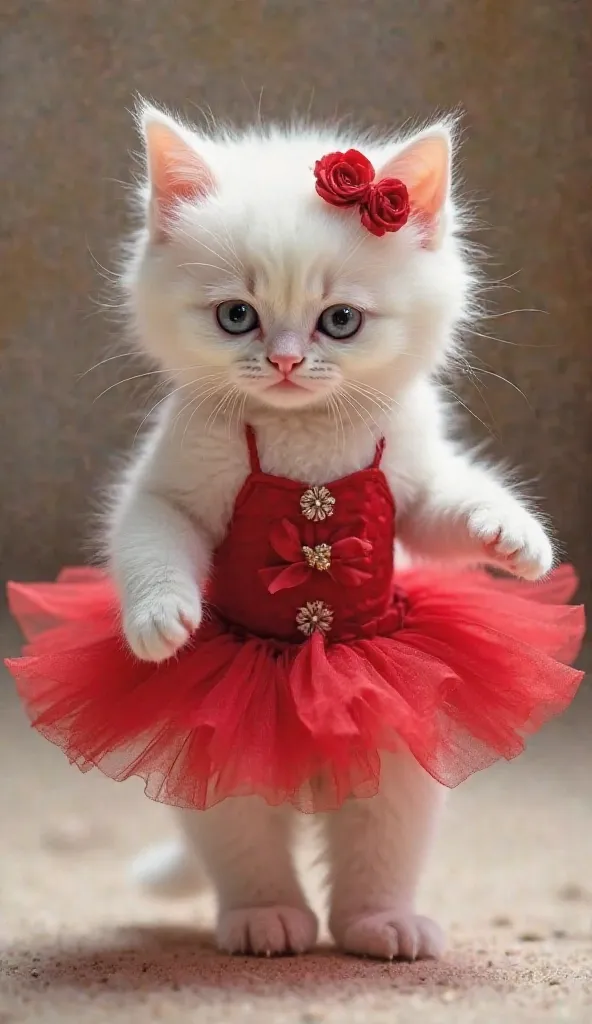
[169, 870]
[263, 236]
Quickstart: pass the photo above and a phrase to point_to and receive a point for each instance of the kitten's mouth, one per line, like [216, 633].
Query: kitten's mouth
[288, 393]
[287, 385]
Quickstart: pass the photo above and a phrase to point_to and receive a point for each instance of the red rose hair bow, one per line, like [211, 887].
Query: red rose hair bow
[347, 179]
[345, 555]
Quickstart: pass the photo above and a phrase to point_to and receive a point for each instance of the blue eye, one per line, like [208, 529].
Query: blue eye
[340, 322]
[236, 317]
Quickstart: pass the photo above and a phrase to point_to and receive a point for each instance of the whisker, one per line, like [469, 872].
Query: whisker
[108, 275]
[349, 256]
[126, 380]
[231, 408]
[372, 390]
[218, 255]
[339, 416]
[229, 247]
[211, 420]
[170, 394]
[491, 337]
[357, 408]
[241, 412]
[222, 270]
[234, 397]
[104, 306]
[384, 407]
[238, 394]
[470, 411]
[505, 341]
[474, 380]
[203, 398]
[339, 398]
[499, 376]
[232, 248]
[366, 412]
[335, 411]
[148, 373]
[377, 402]
[108, 359]
[508, 277]
[153, 408]
[198, 241]
[208, 386]
[222, 405]
[510, 312]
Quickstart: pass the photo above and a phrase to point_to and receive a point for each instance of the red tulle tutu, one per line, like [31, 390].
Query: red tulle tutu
[477, 665]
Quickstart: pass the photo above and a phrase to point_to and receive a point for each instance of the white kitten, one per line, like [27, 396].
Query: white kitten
[229, 277]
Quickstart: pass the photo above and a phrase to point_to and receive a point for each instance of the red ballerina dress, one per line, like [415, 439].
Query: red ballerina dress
[313, 659]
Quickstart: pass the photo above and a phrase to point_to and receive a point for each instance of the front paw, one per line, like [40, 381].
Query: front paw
[388, 935]
[267, 931]
[158, 625]
[512, 539]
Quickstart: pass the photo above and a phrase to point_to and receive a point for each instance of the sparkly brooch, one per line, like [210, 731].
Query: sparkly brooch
[344, 558]
[314, 617]
[317, 504]
[318, 557]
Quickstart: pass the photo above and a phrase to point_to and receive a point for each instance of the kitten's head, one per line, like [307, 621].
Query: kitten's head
[245, 280]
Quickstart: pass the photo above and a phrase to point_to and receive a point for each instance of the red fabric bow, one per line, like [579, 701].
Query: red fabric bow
[347, 179]
[348, 556]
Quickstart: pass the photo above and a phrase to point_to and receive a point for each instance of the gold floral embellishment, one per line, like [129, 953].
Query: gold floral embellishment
[317, 503]
[314, 617]
[346, 559]
[318, 557]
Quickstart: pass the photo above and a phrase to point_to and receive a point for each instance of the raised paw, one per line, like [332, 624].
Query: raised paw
[513, 539]
[267, 931]
[158, 626]
[387, 935]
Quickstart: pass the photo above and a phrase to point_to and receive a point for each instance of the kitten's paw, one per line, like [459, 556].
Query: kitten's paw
[156, 628]
[267, 931]
[387, 935]
[514, 540]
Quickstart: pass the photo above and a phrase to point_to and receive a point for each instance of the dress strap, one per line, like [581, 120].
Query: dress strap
[378, 454]
[252, 446]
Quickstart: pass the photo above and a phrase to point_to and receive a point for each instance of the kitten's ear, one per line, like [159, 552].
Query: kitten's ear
[176, 171]
[424, 166]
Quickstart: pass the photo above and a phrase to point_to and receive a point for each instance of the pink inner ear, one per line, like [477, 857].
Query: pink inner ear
[424, 167]
[176, 171]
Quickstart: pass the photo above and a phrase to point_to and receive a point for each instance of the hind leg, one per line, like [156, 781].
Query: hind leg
[245, 846]
[376, 850]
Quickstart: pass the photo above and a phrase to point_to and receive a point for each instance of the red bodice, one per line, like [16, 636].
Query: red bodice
[299, 559]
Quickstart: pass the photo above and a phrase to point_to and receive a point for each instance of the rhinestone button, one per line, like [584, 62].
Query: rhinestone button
[318, 557]
[314, 617]
[317, 503]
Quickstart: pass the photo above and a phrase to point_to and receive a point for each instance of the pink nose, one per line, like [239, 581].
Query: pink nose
[285, 363]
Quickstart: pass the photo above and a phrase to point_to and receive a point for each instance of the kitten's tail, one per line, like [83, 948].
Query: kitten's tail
[168, 870]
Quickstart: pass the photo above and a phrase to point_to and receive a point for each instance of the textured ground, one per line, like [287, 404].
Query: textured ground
[510, 879]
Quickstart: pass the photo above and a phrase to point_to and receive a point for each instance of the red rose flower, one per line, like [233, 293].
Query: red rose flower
[387, 207]
[347, 179]
[344, 179]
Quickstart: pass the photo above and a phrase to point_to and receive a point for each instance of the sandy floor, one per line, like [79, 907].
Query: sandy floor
[510, 879]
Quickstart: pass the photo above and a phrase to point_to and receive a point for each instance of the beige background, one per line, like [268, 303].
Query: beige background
[69, 72]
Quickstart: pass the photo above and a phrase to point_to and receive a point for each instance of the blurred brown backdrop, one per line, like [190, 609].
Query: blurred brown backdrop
[69, 71]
